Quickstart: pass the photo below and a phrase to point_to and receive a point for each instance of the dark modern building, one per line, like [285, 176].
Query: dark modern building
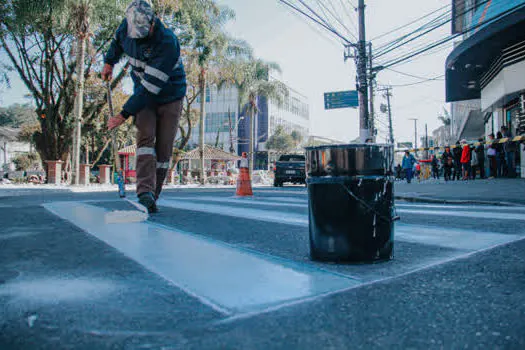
[485, 73]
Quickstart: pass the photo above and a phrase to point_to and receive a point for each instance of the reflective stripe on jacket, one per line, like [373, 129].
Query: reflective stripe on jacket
[158, 73]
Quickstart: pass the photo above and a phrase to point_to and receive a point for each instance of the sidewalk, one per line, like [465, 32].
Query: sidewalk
[494, 191]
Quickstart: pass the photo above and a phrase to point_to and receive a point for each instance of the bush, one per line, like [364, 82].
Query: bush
[28, 161]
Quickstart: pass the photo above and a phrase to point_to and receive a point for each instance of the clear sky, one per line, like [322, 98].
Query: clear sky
[312, 62]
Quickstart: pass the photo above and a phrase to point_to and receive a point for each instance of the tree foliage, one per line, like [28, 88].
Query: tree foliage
[38, 39]
[27, 161]
[297, 137]
[280, 140]
[16, 115]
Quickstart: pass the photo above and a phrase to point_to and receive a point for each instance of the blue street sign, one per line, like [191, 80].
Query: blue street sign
[341, 99]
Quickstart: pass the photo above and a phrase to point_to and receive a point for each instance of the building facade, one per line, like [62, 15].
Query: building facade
[227, 124]
[10, 147]
[487, 68]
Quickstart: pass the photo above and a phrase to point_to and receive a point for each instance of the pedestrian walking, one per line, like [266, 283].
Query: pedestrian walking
[408, 165]
[448, 162]
[159, 87]
[465, 159]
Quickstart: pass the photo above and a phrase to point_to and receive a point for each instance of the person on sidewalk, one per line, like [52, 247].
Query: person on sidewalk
[480, 153]
[491, 156]
[510, 149]
[465, 159]
[408, 165]
[159, 87]
[448, 162]
[474, 163]
[435, 167]
[500, 155]
[457, 161]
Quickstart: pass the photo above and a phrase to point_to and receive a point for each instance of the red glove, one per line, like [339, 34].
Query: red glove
[116, 121]
[107, 72]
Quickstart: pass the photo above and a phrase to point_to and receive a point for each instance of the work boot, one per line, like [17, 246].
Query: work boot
[148, 200]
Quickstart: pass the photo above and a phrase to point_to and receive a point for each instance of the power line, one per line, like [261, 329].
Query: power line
[410, 23]
[398, 44]
[348, 14]
[332, 30]
[322, 19]
[338, 20]
[407, 74]
[315, 28]
[389, 46]
[438, 43]
[392, 46]
[440, 77]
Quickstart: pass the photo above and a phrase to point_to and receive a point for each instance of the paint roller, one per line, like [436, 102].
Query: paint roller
[122, 216]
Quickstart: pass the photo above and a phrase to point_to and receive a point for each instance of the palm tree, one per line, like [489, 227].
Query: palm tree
[252, 79]
[446, 119]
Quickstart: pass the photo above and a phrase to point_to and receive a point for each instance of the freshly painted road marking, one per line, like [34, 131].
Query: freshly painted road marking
[464, 207]
[467, 214]
[424, 267]
[227, 279]
[464, 211]
[246, 213]
[443, 237]
[234, 200]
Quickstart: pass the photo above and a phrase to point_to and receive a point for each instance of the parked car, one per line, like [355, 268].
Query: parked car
[290, 168]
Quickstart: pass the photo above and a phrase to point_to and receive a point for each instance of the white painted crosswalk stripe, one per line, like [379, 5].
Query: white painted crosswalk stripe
[462, 207]
[467, 214]
[228, 279]
[252, 201]
[246, 213]
[443, 237]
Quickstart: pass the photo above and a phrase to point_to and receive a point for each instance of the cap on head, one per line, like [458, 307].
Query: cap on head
[140, 16]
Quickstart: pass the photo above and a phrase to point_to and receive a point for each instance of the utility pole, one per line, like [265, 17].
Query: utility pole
[232, 150]
[371, 93]
[362, 88]
[426, 140]
[390, 127]
[415, 133]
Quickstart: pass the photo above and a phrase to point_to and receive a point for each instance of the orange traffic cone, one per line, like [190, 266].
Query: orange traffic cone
[244, 183]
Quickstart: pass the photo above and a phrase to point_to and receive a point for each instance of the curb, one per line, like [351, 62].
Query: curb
[456, 201]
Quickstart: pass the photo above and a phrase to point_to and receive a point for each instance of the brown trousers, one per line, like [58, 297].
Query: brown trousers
[156, 130]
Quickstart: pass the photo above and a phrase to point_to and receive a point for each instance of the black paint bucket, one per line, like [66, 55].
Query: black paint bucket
[351, 202]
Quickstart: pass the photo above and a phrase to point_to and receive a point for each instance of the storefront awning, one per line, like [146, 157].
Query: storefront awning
[473, 58]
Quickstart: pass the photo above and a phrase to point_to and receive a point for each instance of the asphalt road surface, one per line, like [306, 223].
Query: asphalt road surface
[212, 271]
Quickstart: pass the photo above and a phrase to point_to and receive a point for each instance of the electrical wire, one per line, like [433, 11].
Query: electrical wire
[316, 29]
[407, 74]
[328, 28]
[391, 46]
[336, 17]
[438, 43]
[348, 14]
[410, 23]
[438, 78]
[433, 24]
